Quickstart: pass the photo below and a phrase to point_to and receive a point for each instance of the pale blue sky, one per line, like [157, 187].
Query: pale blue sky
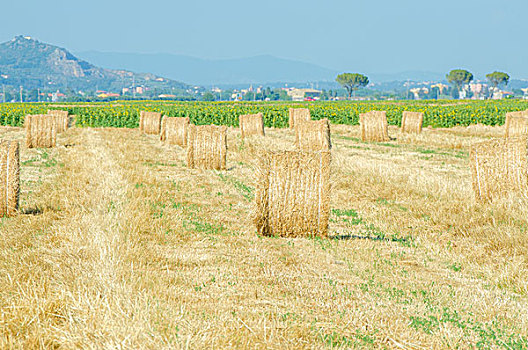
[382, 36]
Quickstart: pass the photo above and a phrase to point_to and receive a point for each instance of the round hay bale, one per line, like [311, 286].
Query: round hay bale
[412, 122]
[9, 178]
[41, 131]
[207, 147]
[313, 135]
[251, 124]
[174, 130]
[292, 197]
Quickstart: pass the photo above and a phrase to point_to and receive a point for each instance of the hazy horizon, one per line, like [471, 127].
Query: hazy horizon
[377, 36]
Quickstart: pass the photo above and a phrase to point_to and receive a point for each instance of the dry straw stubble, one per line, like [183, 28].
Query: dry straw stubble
[174, 130]
[313, 135]
[374, 126]
[499, 168]
[516, 124]
[9, 178]
[251, 124]
[207, 147]
[41, 131]
[293, 193]
[297, 115]
[150, 122]
[412, 122]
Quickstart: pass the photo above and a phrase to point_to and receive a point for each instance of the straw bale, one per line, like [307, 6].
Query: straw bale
[251, 124]
[374, 126]
[174, 130]
[150, 122]
[499, 167]
[61, 119]
[9, 177]
[412, 122]
[313, 135]
[298, 114]
[207, 147]
[41, 131]
[516, 124]
[293, 193]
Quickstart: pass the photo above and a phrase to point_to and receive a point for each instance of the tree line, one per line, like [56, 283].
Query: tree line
[457, 77]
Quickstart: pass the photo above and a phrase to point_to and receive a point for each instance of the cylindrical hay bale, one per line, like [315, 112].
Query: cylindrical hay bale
[293, 194]
[374, 126]
[251, 124]
[313, 135]
[298, 114]
[412, 122]
[61, 119]
[150, 122]
[516, 124]
[9, 178]
[174, 130]
[499, 167]
[41, 131]
[207, 147]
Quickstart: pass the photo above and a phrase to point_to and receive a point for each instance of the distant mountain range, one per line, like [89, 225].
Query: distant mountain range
[32, 64]
[259, 69]
[264, 69]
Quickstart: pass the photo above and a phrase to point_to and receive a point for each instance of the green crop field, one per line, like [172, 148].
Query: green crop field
[126, 114]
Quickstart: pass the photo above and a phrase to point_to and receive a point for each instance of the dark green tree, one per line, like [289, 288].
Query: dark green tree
[208, 96]
[459, 77]
[352, 81]
[498, 78]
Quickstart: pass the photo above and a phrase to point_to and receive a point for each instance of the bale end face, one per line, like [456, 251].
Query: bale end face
[9, 178]
[174, 130]
[150, 122]
[293, 194]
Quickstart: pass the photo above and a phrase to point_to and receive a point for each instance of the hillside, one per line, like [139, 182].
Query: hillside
[32, 64]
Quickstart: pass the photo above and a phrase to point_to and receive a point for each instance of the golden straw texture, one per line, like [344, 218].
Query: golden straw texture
[293, 193]
[499, 168]
[298, 114]
[150, 122]
[61, 119]
[251, 124]
[9, 178]
[412, 122]
[374, 126]
[313, 135]
[41, 131]
[174, 130]
[207, 147]
[516, 124]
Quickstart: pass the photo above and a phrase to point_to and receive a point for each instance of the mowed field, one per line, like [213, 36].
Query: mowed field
[119, 245]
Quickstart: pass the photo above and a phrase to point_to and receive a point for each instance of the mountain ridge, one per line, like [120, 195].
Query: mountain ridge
[27, 62]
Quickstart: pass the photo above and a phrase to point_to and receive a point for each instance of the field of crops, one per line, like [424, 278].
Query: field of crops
[126, 114]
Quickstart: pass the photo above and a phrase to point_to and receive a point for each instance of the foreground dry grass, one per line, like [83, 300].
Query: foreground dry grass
[121, 246]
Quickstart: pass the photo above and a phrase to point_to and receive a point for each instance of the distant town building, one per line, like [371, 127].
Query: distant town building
[304, 94]
[441, 87]
[419, 92]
